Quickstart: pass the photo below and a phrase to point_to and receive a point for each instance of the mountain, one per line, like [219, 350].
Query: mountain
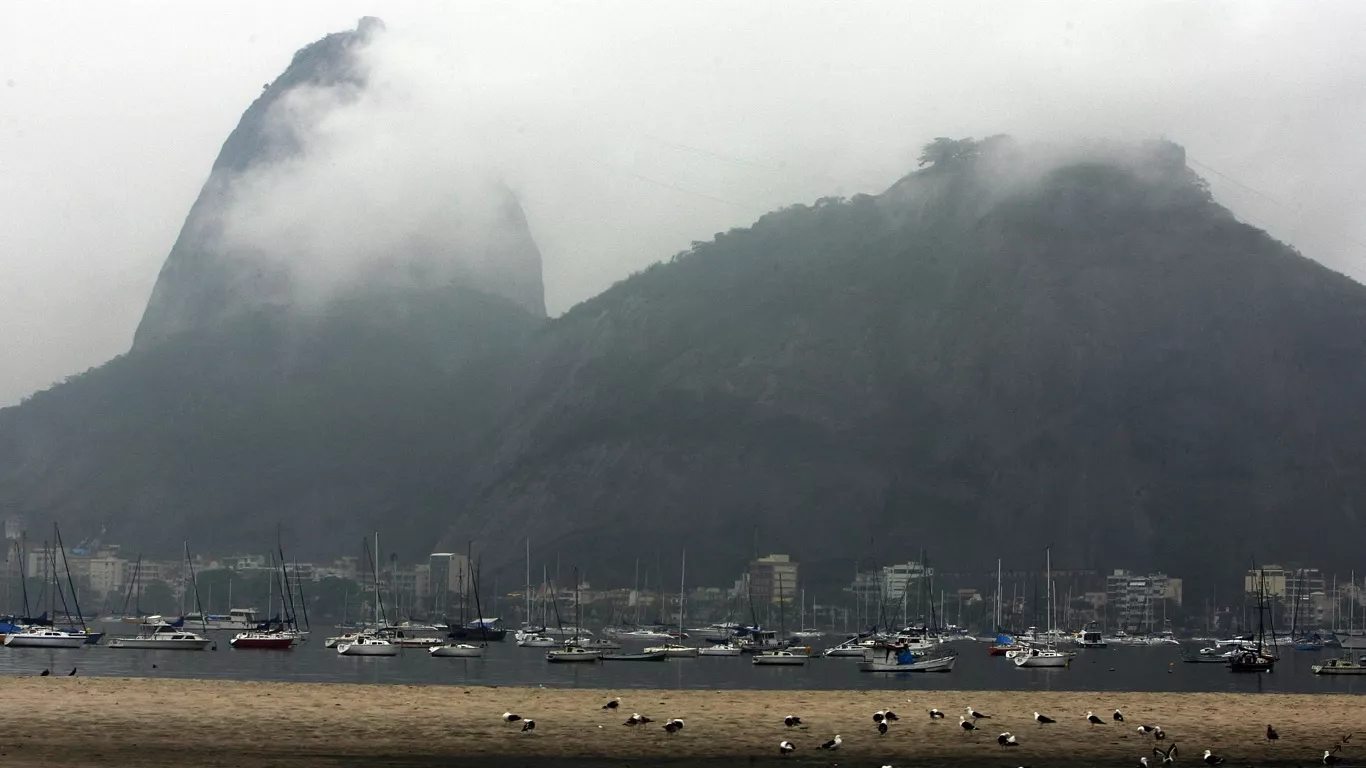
[1009, 349]
[209, 278]
[1013, 347]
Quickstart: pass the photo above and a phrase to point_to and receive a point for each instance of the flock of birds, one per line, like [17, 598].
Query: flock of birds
[883, 719]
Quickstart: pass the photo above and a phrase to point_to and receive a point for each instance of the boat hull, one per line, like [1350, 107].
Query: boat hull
[655, 656]
[567, 657]
[1043, 660]
[943, 664]
[719, 650]
[147, 644]
[457, 651]
[23, 641]
[263, 643]
[367, 649]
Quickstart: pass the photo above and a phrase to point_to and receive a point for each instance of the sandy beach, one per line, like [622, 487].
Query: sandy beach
[59, 721]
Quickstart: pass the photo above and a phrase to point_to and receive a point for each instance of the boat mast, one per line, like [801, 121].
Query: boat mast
[528, 583]
[1048, 571]
[998, 595]
[682, 572]
[374, 562]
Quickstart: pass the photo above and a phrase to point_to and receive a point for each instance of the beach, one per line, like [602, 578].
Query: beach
[75, 721]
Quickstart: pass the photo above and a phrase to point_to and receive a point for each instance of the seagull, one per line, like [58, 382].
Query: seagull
[832, 744]
[936, 714]
[1168, 757]
[1146, 729]
[613, 704]
[891, 716]
[636, 719]
[1118, 716]
[965, 725]
[1158, 733]
[975, 715]
[45, 673]
[1007, 740]
[1143, 762]
[1271, 734]
[1043, 719]
[529, 725]
[508, 717]
[1212, 759]
[792, 721]
[786, 747]
[673, 726]
[1329, 758]
[882, 728]
[879, 716]
[1092, 719]
[72, 673]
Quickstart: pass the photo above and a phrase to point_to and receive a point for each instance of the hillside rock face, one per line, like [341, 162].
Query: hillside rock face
[1007, 350]
[203, 283]
[1004, 351]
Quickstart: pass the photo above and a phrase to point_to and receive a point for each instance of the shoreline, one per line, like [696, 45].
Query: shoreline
[151, 722]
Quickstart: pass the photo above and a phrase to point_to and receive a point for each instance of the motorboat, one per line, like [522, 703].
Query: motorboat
[779, 659]
[853, 647]
[595, 644]
[235, 618]
[274, 641]
[368, 645]
[644, 635]
[643, 656]
[728, 649]
[1343, 666]
[349, 637]
[758, 640]
[906, 661]
[572, 654]
[674, 649]
[537, 641]
[1042, 657]
[163, 637]
[457, 650]
[1091, 637]
[44, 637]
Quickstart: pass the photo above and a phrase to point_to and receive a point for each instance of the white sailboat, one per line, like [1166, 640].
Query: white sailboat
[367, 644]
[1046, 656]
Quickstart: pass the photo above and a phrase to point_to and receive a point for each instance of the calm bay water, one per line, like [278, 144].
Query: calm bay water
[1153, 669]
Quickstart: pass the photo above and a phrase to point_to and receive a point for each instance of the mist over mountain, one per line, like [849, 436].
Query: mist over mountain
[327, 185]
[1013, 347]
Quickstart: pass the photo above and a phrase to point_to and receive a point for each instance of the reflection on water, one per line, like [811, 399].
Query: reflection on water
[1111, 669]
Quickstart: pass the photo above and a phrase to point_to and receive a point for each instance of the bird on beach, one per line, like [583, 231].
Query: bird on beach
[786, 747]
[792, 721]
[890, 716]
[1007, 739]
[1146, 729]
[508, 717]
[936, 714]
[1168, 756]
[975, 715]
[45, 673]
[1158, 733]
[1331, 758]
[832, 744]
[966, 725]
[673, 726]
[1143, 762]
[882, 728]
[1092, 719]
[637, 719]
[1271, 734]
[613, 704]
[1212, 759]
[528, 725]
[879, 715]
[72, 673]
[1118, 716]
[1043, 719]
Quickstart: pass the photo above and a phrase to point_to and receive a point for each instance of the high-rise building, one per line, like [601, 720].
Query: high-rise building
[772, 579]
[1137, 603]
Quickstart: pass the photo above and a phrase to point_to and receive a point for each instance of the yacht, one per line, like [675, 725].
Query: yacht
[457, 650]
[779, 658]
[673, 649]
[853, 648]
[726, 649]
[537, 641]
[163, 637]
[1343, 666]
[368, 645]
[274, 641]
[44, 637]
[572, 654]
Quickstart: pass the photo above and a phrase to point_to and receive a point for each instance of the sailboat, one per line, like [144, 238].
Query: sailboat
[1258, 657]
[161, 635]
[45, 635]
[677, 649]
[573, 653]
[451, 649]
[366, 644]
[1046, 656]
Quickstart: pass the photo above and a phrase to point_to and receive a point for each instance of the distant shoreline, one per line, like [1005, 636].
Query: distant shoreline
[150, 722]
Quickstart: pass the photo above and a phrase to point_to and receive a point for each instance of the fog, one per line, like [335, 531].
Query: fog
[627, 130]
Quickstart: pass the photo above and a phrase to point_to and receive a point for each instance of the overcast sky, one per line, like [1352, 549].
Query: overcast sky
[630, 129]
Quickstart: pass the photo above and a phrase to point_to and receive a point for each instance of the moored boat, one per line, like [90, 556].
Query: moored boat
[1043, 657]
[44, 637]
[673, 649]
[1343, 666]
[779, 658]
[906, 661]
[537, 641]
[163, 637]
[273, 641]
[643, 656]
[727, 649]
[457, 650]
[572, 654]
[368, 645]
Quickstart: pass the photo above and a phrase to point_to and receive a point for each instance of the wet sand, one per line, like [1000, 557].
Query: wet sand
[58, 721]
